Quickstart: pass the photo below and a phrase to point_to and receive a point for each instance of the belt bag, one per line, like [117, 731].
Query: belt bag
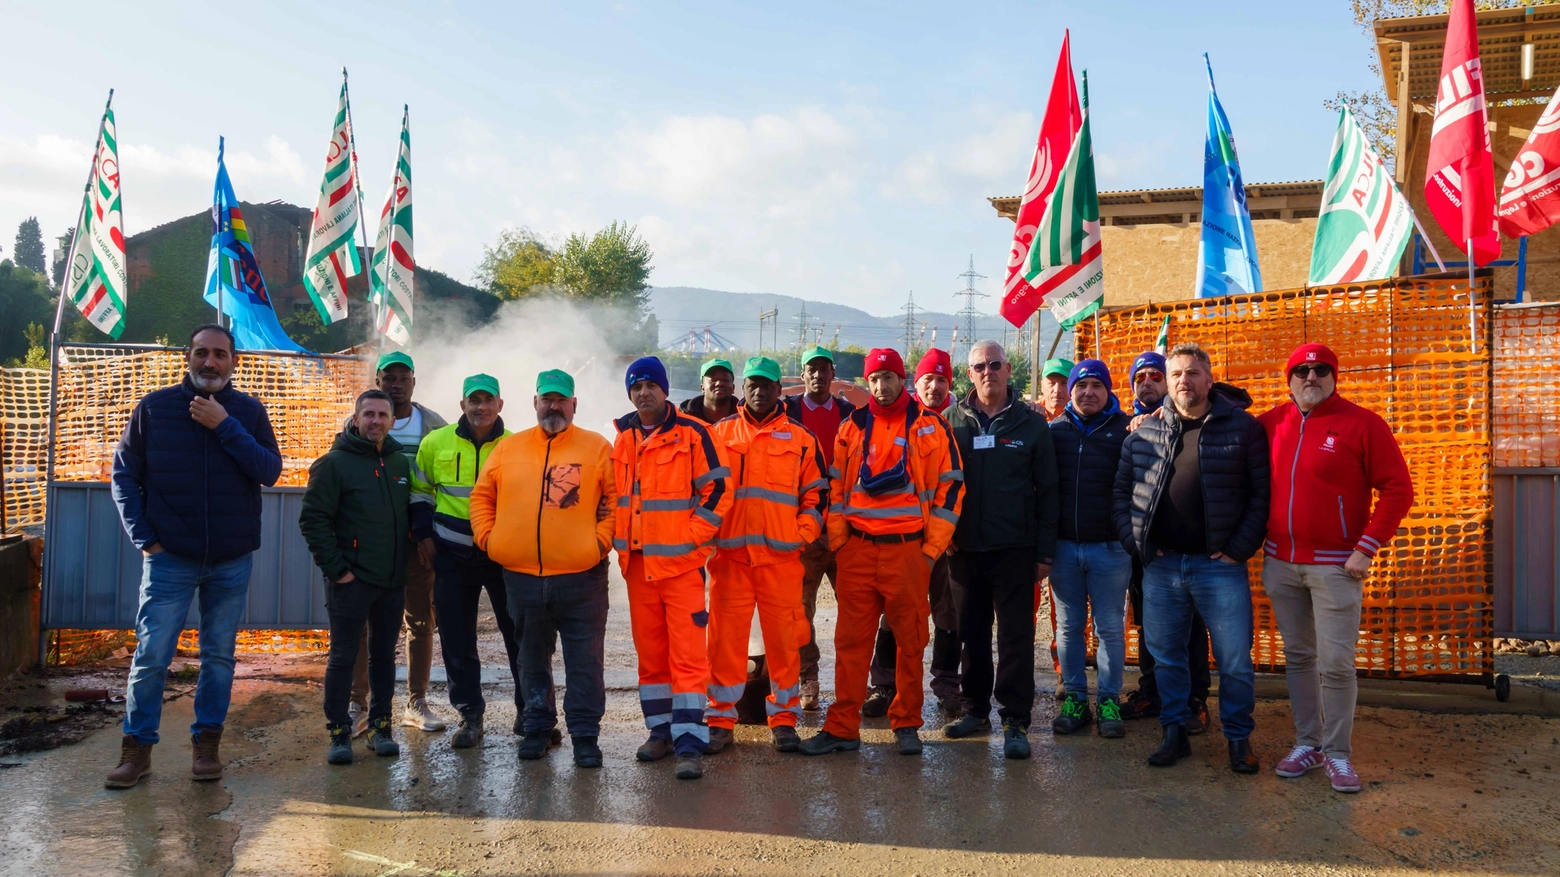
[894, 479]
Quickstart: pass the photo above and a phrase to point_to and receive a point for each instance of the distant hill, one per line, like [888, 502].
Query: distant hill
[734, 315]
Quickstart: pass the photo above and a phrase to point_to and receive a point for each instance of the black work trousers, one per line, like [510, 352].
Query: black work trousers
[458, 584]
[349, 607]
[1196, 648]
[998, 586]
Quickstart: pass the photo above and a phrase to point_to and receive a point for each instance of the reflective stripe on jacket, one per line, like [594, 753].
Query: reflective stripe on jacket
[779, 484]
[929, 503]
[534, 508]
[443, 474]
[672, 493]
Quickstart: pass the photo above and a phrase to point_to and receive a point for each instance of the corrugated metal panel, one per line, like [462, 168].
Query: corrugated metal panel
[1527, 557]
[92, 574]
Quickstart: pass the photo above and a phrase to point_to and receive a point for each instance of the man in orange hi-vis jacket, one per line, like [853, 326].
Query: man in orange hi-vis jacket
[781, 491]
[895, 494]
[672, 495]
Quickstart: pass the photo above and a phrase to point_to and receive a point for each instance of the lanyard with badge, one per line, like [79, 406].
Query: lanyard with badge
[984, 441]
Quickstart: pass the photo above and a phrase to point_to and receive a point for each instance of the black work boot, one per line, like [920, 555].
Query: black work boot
[379, 738]
[786, 738]
[586, 752]
[468, 734]
[1015, 740]
[877, 703]
[1074, 717]
[1173, 747]
[909, 741]
[340, 744]
[968, 725]
[720, 738]
[822, 743]
[1242, 759]
[534, 746]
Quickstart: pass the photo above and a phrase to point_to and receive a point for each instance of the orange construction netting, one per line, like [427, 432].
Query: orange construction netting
[67, 647]
[1405, 352]
[1527, 385]
[24, 448]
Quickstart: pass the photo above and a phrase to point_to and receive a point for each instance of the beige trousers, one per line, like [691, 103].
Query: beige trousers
[1317, 607]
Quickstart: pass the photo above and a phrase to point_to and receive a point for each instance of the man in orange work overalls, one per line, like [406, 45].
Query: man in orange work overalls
[895, 498]
[781, 490]
[672, 495]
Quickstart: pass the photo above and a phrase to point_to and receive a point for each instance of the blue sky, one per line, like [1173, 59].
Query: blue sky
[833, 151]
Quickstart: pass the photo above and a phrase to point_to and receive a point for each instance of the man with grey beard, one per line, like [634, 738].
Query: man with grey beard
[187, 479]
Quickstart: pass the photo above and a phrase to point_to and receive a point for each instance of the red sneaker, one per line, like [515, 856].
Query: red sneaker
[1298, 761]
[1342, 775]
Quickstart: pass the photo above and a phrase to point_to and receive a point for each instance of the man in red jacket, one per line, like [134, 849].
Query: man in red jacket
[1328, 454]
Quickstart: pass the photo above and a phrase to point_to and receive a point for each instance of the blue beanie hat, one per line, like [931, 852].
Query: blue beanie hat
[1089, 368]
[647, 368]
[1147, 359]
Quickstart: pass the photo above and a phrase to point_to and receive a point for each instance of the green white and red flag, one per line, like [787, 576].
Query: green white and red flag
[96, 282]
[1068, 239]
[392, 269]
[332, 256]
[1365, 223]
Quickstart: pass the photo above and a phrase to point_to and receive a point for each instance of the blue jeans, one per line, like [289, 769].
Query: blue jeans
[1091, 574]
[168, 584]
[570, 609]
[1174, 585]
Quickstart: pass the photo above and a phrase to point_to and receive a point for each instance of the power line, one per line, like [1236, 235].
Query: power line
[969, 311]
[801, 326]
[909, 322]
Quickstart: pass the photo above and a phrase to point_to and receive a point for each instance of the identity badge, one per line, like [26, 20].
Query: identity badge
[985, 442]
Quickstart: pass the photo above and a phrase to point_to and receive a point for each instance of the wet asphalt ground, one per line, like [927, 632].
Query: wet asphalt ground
[1455, 784]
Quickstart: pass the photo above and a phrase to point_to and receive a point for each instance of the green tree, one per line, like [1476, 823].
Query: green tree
[28, 252]
[24, 300]
[519, 264]
[37, 347]
[611, 266]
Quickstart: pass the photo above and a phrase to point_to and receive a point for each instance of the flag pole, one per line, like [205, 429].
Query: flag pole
[357, 182]
[1034, 363]
[1473, 340]
[75, 238]
[221, 150]
[1426, 238]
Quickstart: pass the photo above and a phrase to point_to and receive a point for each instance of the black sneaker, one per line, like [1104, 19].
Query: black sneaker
[586, 752]
[720, 738]
[1111, 722]
[1197, 722]
[877, 703]
[654, 749]
[690, 767]
[1139, 705]
[822, 743]
[379, 738]
[534, 746]
[1075, 716]
[468, 734]
[340, 744]
[1015, 740]
[968, 725]
[786, 738]
[909, 740]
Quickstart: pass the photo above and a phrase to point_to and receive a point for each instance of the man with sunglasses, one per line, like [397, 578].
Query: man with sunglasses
[1328, 455]
[1149, 389]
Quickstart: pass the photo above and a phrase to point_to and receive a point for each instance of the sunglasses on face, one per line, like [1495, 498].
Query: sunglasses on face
[1306, 371]
[1148, 374]
[994, 365]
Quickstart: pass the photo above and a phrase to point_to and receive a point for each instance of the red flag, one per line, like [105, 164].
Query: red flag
[1530, 201]
[1460, 176]
[1063, 118]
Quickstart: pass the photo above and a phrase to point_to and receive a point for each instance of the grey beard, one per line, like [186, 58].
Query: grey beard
[1312, 396]
[207, 384]
[553, 423]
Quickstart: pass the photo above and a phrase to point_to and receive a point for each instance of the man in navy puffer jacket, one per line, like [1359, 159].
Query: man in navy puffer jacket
[187, 479]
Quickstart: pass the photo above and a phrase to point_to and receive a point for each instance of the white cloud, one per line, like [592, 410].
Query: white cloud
[991, 160]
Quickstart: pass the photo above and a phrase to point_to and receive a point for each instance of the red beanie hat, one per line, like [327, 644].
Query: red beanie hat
[881, 359]
[1306, 354]
[935, 362]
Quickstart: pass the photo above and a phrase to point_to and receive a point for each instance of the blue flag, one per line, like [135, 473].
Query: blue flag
[233, 274]
[1227, 253]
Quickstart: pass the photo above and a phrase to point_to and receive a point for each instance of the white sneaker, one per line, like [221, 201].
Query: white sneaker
[357, 714]
[419, 716]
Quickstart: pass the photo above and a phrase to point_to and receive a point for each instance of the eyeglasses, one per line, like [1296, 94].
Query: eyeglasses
[994, 365]
[1306, 371]
[1146, 374]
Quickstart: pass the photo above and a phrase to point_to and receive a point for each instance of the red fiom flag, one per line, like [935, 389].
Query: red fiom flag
[1063, 118]
[1530, 201]
[1460, 176]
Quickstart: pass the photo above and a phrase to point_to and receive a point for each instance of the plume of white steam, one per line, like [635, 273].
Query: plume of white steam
[523, 339]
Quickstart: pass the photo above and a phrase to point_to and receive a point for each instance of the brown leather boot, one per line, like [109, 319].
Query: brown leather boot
[135, 761]
[207, 764]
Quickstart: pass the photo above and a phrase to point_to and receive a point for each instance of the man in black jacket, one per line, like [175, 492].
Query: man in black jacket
[187, 478]
[1191, 501]
[356, 522]
[1005, 541]
[1092, 570]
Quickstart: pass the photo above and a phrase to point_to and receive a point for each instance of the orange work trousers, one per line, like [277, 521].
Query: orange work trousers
[668, 620]
[879, 580]
[776, 589]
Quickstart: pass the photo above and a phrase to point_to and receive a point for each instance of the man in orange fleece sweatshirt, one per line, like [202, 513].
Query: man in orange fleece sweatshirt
[536, 510]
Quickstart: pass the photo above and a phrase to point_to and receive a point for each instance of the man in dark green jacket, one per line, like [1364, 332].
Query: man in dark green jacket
[1005, 542]
[355, 520]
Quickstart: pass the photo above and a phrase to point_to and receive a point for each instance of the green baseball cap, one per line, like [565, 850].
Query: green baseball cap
[716, 363]
[394, 357]
[479, 382]
[761, 367]
[816, 352]
[1057, 366]
[555, 380]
